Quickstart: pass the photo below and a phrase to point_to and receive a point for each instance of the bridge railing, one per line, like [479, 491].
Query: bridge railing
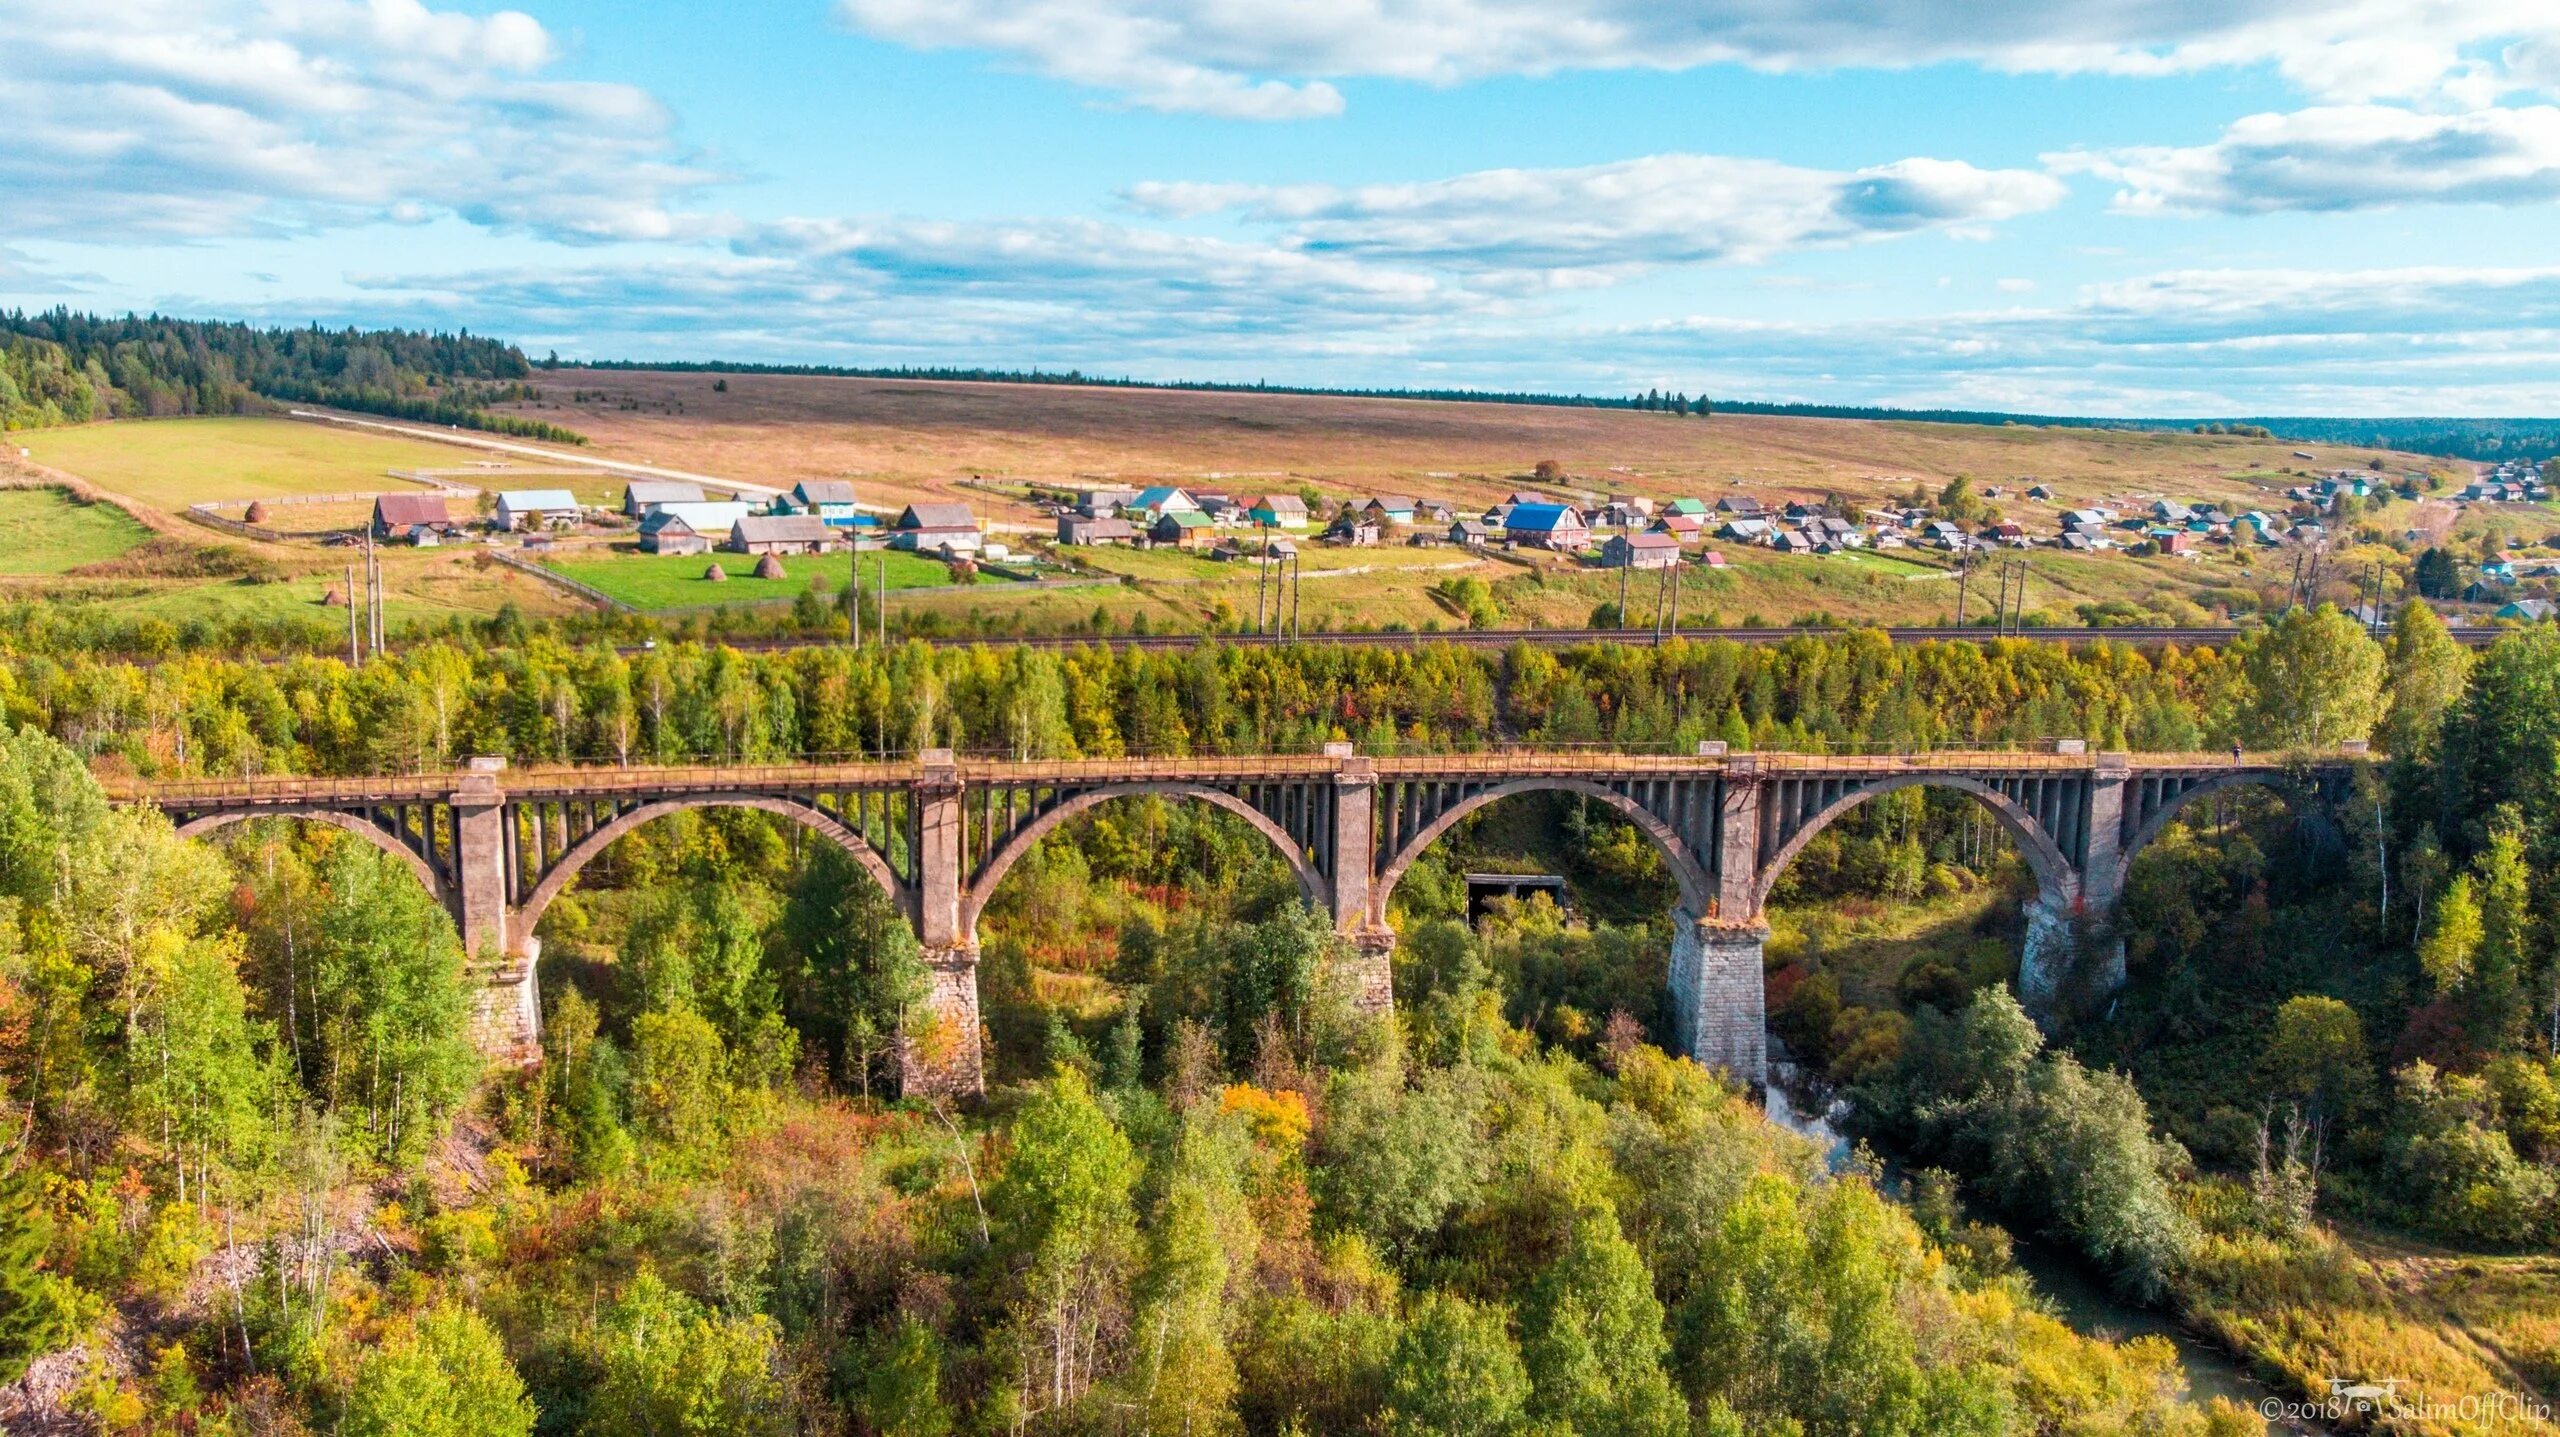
[570, 781]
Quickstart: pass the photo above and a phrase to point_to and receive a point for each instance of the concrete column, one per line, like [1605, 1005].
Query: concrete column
[945, 1058]
[1355, 841]
[938, 857]
[2073, 958]
[1719, 999]
[480, 852]
[2101, 872]
[1737, 896]
[506, 1019]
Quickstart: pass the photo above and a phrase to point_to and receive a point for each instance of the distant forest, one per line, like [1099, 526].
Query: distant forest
[58, 367]
[2457, 438]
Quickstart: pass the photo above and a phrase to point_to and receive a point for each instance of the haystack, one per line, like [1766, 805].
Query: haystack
[257, 513]
[770, 567]
[715, 575]
[332, 599]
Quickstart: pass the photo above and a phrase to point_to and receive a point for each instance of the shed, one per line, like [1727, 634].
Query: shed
[1080, 529]
[781, 534]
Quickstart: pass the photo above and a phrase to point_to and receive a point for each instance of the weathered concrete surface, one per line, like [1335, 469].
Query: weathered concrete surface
[2072, 961]
[1719, 997]
[945, 1058]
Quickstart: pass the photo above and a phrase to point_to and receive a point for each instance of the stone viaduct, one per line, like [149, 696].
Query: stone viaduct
[938, 833]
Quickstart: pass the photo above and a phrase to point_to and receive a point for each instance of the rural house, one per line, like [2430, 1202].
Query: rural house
[1184, 529]
[641, 496]
[828, 499]
[418, 518]
[665, 529]
[1650, 550]
[937, 529]
[1279, 511]
[1547, 526]
[537, 509]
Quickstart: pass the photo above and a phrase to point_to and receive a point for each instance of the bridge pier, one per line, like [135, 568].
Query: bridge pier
[945, 1060]
[1719, 1000]
[937, 837]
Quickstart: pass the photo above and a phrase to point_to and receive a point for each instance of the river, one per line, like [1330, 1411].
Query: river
[2077, 1294]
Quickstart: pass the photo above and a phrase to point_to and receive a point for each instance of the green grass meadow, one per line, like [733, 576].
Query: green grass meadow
[675, 581]
[45, 532]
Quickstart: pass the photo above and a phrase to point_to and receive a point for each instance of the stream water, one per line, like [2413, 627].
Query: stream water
[2079, 1295]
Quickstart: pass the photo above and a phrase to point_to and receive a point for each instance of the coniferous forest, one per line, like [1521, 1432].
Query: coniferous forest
[258, 1179]
[61, 367]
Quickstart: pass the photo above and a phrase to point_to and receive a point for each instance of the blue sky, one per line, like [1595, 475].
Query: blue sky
[2093, 206]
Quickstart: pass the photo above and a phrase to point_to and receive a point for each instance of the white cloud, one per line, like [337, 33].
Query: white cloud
[2342, 158]
[1273, 61]
[1119, 300]
[205, 117]
[1620, 217]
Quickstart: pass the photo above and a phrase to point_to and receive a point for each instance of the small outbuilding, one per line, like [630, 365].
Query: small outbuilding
[537, 509]
[781, 534]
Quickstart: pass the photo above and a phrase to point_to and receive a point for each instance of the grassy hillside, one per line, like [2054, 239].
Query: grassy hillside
[51, 533]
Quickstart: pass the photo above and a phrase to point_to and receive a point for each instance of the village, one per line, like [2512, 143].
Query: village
[1621, 531]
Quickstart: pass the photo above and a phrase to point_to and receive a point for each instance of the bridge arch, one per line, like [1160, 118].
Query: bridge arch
[2167, 813]
[529, 912]
[1685, 868]
[974, 900]
[369, 832]
[2054, 872]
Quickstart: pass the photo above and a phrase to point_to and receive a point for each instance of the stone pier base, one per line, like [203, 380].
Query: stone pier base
[1719, 1000]
[2071, 963]
[1369, 971]
[506, 1012]
[944, 1058]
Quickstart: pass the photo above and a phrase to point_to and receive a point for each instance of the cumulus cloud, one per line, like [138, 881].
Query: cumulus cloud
[1032, 291]
[1274, 61]
[1632, 214]
[2342, 158]
[203, 117]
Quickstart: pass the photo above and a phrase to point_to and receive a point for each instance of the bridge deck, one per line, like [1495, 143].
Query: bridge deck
[586, 781]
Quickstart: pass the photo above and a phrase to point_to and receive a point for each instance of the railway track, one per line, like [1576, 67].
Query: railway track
[1565, 638]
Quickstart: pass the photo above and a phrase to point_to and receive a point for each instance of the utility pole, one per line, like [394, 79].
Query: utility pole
[1623, 570]
[853, 598]
[1964, 579]
[1297, 594]
[378, 628]
[1262, 583]
[882, 601]
[1675, 598]
[355, 644]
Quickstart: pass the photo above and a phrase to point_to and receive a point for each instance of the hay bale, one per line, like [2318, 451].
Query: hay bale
[257, 513]
[715, 575]
[770, 567]
[332, 599]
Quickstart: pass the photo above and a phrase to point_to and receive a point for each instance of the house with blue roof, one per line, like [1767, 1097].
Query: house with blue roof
[1560, 527]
